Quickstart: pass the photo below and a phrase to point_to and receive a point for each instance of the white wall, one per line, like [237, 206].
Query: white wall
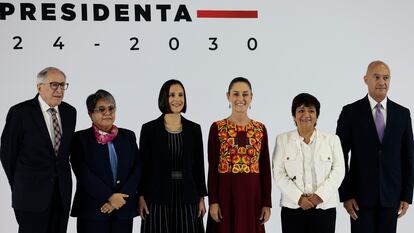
[320, 47]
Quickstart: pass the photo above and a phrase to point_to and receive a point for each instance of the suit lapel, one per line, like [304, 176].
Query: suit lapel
[187, 138]
[296, 138]
[102, 155]
[390, 119]
[41, 123]
[122, 153]
[367, 111]
[163, 139]
[64, 125]
[318, 142]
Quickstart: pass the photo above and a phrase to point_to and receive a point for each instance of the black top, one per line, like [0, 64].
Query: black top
[156, 159]
[175, 145]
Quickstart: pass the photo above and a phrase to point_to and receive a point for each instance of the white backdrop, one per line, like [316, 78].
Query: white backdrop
[320, 47]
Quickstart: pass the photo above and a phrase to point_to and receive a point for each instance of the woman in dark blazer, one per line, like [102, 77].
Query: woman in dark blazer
[106, 164]
[173, 187]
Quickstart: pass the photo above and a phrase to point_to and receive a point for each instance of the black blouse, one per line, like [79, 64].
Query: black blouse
[156, 162]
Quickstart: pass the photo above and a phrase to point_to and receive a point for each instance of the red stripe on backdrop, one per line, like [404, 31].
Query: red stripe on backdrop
[226, 14]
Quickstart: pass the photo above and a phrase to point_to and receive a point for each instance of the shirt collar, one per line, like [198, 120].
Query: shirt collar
[44, 106]
[373, 102]
[312, 138]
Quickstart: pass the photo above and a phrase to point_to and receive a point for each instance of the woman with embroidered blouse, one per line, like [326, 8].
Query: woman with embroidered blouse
[308, 167]
[173, 183]
[239, 177]
[106, 164]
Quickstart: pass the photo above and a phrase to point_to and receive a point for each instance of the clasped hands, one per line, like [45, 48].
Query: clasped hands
[309, 201]
[115, 202]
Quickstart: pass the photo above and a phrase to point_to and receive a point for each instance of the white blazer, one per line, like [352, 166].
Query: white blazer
[288, 168]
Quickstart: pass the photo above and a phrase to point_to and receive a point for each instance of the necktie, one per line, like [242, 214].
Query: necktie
[56, 130]
[113, 159]
[379, 121]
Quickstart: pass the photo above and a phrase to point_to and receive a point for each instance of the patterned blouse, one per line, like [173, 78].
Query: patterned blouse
[240, 146]
[238, 154]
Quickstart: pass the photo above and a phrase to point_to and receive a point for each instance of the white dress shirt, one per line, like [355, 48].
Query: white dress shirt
[48, 118]
[373, 103]
[309, 175]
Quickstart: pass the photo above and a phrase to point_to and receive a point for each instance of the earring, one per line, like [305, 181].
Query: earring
[229, 105]
[250, 106]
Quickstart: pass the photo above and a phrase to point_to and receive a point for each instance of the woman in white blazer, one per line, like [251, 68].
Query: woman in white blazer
[308, 168]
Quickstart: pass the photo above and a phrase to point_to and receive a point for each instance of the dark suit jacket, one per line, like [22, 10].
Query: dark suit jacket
[95, 184]
[29, 160]
[156, 176]
[378, 173]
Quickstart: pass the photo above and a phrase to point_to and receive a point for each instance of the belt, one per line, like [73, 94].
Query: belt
[176, 175]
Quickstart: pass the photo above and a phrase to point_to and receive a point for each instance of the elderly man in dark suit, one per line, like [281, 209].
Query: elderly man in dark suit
[378, 184]
[35, 156]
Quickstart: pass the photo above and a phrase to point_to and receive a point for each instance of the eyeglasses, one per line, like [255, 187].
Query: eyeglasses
[54, 85]
[101, 109]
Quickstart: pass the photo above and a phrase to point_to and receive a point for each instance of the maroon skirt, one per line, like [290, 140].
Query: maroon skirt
[240, 203]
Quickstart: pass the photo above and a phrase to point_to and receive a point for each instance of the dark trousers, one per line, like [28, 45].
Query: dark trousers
[375, 220]
[53, 220]
[112, 225]
[308, 221]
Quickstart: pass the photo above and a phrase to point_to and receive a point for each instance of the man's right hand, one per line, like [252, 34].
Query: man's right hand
[351, 207]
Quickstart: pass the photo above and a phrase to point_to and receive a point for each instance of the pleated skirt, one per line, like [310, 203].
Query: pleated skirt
[176, 217]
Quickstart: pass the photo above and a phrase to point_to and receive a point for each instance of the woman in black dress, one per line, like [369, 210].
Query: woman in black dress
[173, 186]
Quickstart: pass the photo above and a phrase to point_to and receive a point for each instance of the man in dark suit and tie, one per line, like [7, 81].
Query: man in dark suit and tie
[378, 184]
[35, 156]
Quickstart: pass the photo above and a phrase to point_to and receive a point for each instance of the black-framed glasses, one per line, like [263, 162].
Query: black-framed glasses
[55, 85]
[102, 109]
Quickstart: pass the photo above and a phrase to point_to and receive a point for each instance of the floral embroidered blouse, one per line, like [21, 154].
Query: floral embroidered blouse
[240, 147]
[234, 149]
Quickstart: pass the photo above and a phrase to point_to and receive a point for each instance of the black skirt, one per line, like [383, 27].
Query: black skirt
[175, 217]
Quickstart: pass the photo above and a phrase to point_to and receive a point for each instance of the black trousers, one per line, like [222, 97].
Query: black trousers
[112, 225]
[53, 220]
[375, 220]
[308, 221]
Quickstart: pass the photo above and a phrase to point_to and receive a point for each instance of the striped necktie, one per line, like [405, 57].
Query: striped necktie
[56, 130]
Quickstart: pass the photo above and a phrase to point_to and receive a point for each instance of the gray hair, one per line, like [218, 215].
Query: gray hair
[42, 75]
[95, 97]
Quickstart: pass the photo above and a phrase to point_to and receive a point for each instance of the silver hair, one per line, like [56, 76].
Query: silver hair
[42, 75]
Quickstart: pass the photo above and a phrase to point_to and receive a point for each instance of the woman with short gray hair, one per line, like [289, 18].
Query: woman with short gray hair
[107, 167]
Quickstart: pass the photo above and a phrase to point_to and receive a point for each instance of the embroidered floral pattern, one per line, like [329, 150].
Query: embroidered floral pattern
[235, 158]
